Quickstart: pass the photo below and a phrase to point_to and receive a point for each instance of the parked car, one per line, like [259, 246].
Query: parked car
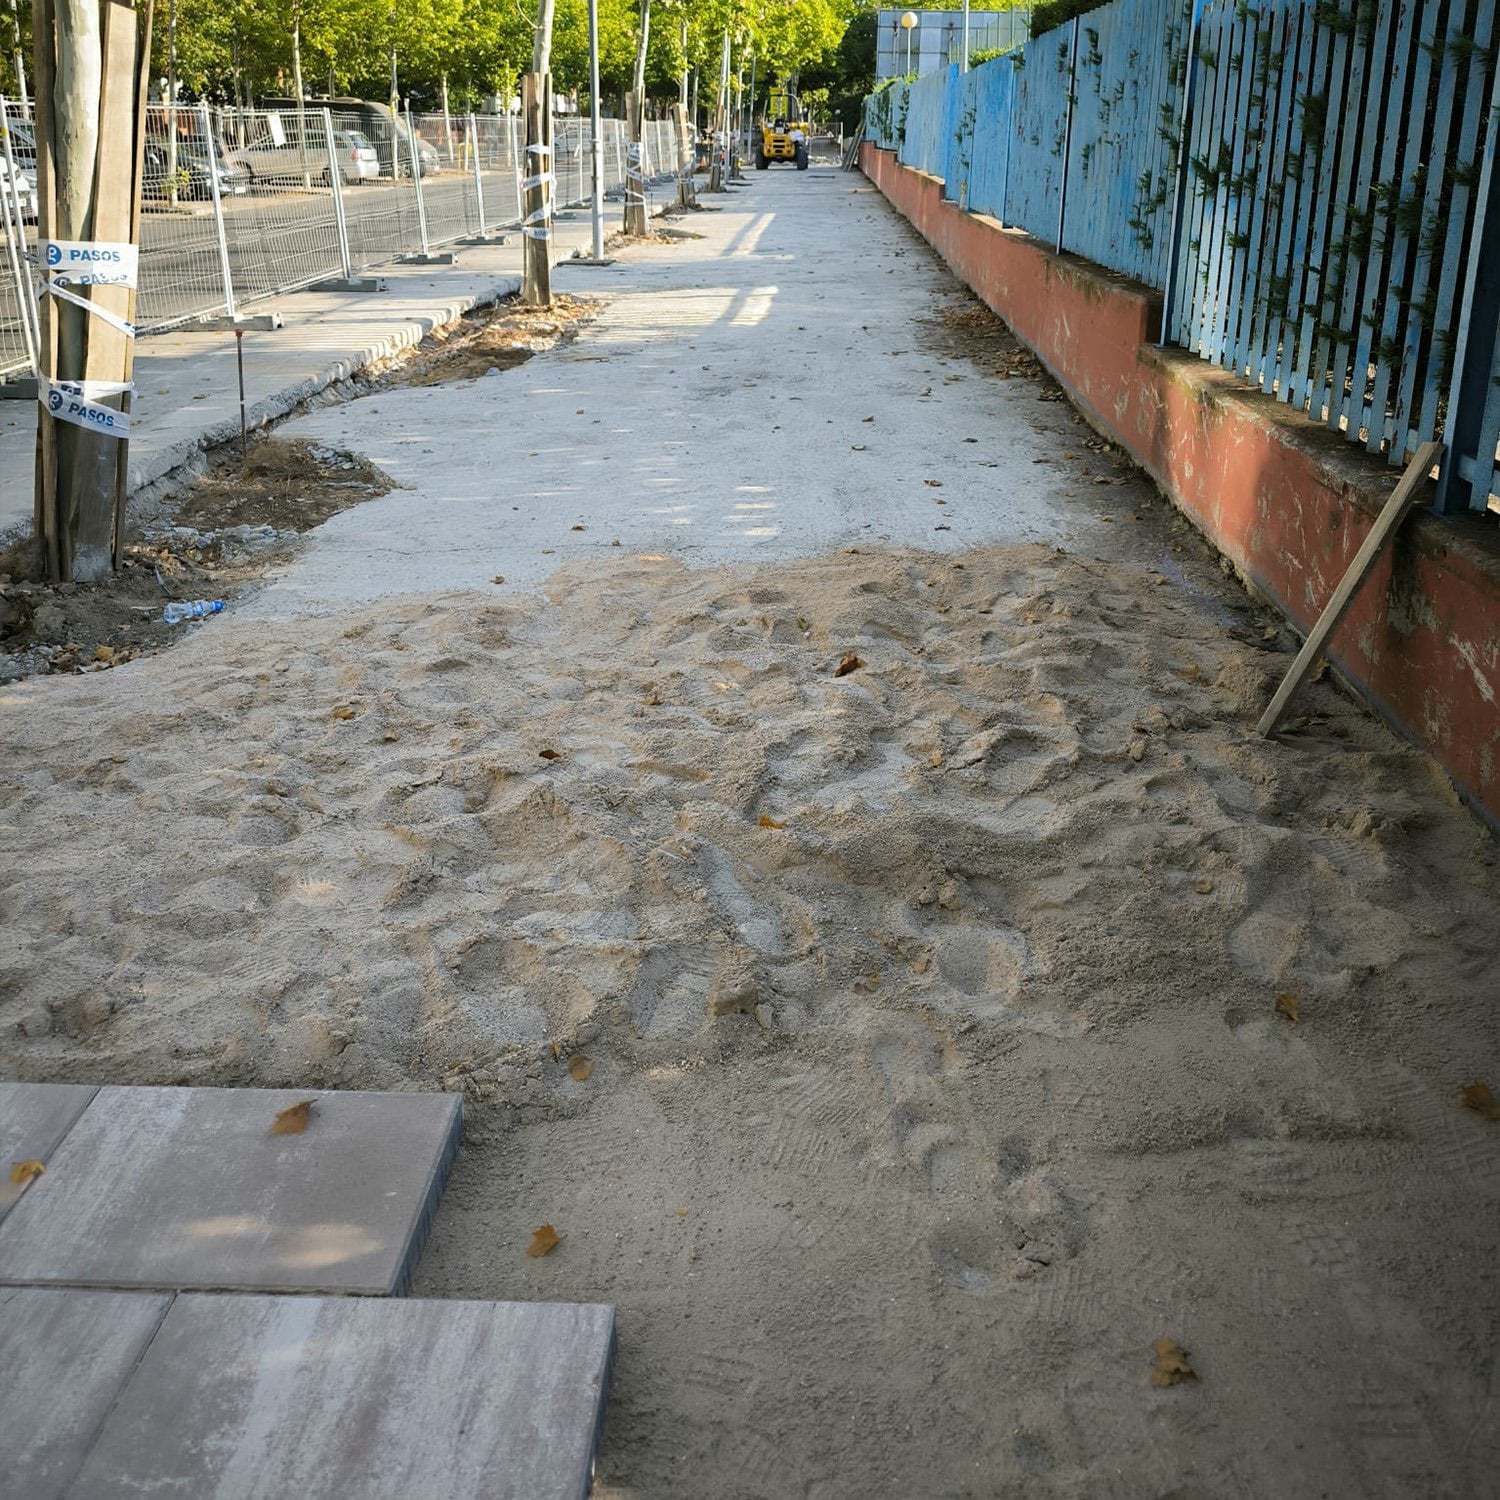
[357, 158]
[282, 163]
[194, 184]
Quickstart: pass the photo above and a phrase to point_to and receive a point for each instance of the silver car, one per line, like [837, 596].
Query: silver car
[358, 160]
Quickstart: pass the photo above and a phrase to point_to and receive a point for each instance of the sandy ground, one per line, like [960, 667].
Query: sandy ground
[932, 1008]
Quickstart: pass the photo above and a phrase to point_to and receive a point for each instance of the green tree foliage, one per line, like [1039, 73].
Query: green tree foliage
[228, 49]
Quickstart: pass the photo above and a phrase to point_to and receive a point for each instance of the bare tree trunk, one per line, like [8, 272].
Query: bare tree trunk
[90, 62]
[635, 111]
[536, 191]
[541, 47]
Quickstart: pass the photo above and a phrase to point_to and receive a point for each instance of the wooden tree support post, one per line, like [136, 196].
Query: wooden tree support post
[536, 191]
[686, 196]
[1387, 524]
[635, 177]
[91, 61]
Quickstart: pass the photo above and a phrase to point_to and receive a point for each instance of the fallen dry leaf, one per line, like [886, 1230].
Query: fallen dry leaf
[556, 1052]
[498, 578]
[1203, 885]
[1137, 749]
[578, 527]
[293, 1119]
[580, 1068]
[1171, 1366]
[23, 1172]
[1477, 1096]
[543, 1242]
[550, 754]
[1290, 1007]
[848, 663]
[343, 711]
[933, 484]
[766, 821]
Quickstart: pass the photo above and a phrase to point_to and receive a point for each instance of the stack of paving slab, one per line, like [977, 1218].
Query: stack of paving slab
[191, 1305]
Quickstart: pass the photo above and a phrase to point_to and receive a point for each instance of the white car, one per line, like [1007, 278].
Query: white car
[358, 160]
[285, 164]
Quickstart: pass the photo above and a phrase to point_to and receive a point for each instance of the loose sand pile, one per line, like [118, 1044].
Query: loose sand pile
[997, 922]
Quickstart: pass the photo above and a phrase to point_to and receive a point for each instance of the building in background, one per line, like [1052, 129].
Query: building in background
[938, 37]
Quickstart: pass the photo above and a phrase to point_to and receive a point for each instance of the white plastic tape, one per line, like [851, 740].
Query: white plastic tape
[90, 262]
[57, 289]
[68, 401]
[542, 179]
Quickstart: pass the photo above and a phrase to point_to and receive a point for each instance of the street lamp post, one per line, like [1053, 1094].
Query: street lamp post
[908, 25]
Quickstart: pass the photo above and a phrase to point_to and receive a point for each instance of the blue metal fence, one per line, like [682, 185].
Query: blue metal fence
[1312, 185]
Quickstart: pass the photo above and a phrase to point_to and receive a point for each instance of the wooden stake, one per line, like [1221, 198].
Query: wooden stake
[89, 118]
[536, 191]
[1387, 524]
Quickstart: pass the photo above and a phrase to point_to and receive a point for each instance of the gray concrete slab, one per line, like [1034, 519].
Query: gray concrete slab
[34, 1117]
[250, 1398]
[65, 1356]
[186, 1189]
[742, 399]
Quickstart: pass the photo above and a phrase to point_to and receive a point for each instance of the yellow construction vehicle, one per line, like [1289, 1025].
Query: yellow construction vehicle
[783, 132]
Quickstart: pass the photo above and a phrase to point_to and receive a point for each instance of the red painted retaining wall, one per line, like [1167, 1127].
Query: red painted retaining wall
[1286, 501]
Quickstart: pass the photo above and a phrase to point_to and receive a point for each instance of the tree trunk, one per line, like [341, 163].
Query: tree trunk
[536, 191]
[541, 46]
[635, 180]
[635, 112]
[91, 58]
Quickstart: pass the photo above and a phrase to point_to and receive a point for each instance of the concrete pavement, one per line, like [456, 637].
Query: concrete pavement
[777, 388]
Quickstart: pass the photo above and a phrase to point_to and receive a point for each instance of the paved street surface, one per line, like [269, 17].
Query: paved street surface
[855, 908]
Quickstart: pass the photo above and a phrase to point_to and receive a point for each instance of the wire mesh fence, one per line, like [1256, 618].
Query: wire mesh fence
[239, 205]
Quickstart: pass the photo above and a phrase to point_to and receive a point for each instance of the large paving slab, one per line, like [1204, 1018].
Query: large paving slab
[262, 1398]
[187, 1189]
[34, 1117]
[64, 1357]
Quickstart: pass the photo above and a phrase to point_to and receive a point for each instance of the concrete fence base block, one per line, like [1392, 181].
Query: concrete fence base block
[24, 389]
[350, 284]
[1285, 500]
[267, 322]
[438, 258]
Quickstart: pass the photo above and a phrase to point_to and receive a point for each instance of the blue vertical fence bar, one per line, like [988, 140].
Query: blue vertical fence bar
[1121, 167]
[1311, 183]
[1033, 189]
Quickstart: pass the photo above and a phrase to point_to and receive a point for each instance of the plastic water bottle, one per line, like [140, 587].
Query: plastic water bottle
[196, 609]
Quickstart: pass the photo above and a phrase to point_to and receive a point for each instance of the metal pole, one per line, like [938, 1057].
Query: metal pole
[964, 66]
[1476, 350]
[1062, 197]
[596, 145]
[172, 102]
[336, 183]
[749, 120]
[1179, 195]
[478, 175]
[15, 244]
[515, 158]
[219, 227]
[416, 182]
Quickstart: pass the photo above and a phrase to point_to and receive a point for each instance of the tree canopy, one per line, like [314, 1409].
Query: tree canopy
[244, 48]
